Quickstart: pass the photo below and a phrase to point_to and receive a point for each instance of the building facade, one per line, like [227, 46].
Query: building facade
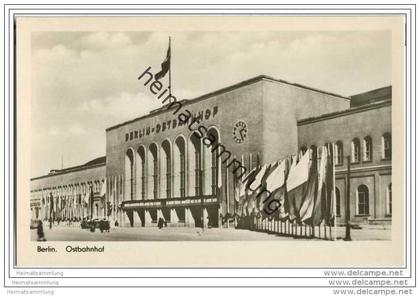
[65, 194]
[363, 137]
[156, 166]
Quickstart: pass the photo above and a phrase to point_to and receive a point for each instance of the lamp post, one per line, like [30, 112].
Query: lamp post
[348, 236]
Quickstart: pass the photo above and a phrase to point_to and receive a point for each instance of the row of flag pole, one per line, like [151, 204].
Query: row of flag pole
[299, 189]
[302, 188]
[58, 203]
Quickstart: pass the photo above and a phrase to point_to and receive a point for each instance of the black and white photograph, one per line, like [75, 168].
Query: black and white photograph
[192, 141]
[186, 147]
[211, 135]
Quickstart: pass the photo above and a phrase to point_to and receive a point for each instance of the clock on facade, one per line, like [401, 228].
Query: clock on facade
[240, 131]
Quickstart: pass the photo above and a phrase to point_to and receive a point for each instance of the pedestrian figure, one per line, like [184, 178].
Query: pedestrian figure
[160, 223]
[40, 232]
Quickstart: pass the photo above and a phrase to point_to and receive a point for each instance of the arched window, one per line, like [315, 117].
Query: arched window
[337, 202]
[355, 150]
[195, 165]
[141, 172]
[153, 172]
[367, 148]
[212, 148]
[179, 167]
[362, 200]
[386, 146]
[339, 153]
[166, 169]
[389, 199]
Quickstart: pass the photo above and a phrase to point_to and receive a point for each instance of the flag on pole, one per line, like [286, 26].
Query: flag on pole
[246, 180]
[51, 203]
[277, 177]
[275, 184]
[296, 184]
[330, 184]
[166, 64]
[103, 189]
[306, 210]
[237, 189]
[219, 174]
[320, 200]
[250, 196]
[86, 199]
[262, 194]
[256, 183]
[74, 197]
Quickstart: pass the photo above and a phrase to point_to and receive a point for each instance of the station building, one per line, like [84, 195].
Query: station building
[70, 189]
[362, 133]
[157, 168]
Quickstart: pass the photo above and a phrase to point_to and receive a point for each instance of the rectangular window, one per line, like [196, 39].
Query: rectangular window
[356, 153]
[363, 207]
[367, 145]
[339, 154]
[387, 149]
[368, 152]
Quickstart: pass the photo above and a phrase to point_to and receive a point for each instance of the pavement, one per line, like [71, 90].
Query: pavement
[368, 232]
[75, 233]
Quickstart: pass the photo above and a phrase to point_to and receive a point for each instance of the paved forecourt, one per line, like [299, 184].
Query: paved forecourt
[74, 233]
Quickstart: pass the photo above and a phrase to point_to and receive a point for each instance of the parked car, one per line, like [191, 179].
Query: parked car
[101, 224]
[84, 224]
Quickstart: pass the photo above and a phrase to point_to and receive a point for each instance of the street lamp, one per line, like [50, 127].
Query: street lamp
[348, 236]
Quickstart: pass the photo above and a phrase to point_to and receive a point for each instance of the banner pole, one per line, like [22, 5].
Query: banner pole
[334, 234]
[227, 195]
[170, 66]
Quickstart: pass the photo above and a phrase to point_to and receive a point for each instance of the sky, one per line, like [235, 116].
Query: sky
[85, 82]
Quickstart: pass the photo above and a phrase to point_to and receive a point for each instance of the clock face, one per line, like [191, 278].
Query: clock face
[240, 131]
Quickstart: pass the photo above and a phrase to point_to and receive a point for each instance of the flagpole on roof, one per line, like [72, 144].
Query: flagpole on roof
[170, 82]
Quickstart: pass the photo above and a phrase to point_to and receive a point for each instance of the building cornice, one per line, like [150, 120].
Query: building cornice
[247, 82]
[345, 112]
[70, 170]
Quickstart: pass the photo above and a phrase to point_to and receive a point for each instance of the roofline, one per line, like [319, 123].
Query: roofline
[70, 170]
[371, 91]
[221, 91]
[345, 112]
